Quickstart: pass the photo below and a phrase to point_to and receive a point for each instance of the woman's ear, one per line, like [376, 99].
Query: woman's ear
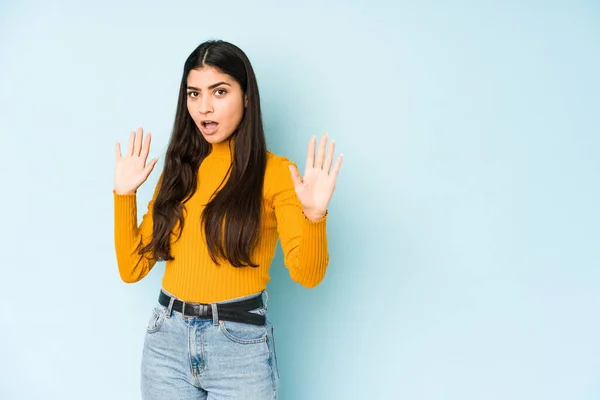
[245, 100]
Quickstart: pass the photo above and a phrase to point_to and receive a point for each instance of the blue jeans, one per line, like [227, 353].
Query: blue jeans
[193, 358]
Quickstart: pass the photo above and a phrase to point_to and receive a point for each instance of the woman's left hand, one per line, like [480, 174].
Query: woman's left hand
[316, 187]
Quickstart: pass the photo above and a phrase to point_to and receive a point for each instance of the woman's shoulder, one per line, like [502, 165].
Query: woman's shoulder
[277, 163]
[277, 172]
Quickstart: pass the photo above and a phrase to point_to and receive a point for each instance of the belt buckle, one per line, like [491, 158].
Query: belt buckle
[203, 310]
[200, 308]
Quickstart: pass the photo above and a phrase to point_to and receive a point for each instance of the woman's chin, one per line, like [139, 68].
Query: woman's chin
[214, 139]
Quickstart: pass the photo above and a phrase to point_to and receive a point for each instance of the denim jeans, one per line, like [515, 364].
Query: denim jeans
[194, 358]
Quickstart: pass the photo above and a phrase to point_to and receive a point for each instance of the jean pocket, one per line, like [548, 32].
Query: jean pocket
[156, 320]
[243, 333]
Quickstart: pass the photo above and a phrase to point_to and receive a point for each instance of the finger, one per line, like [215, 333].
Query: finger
[139, 134]
[336, 167]
[329, 158]
[130, 145]
[118, 150]
[321, 152]
[151, 165]
[295, 175]
[310, 155]
[146, 147]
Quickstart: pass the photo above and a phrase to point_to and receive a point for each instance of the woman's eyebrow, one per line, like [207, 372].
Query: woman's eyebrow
[214, 85]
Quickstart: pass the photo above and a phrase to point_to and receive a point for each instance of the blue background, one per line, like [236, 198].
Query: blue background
[464, 230]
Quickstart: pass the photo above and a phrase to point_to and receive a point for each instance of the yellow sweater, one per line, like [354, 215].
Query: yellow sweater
[192, 275]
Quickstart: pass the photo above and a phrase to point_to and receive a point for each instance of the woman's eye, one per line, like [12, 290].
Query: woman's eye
[193, 94]
[220, 92]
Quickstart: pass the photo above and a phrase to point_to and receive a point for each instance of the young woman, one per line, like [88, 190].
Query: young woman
[220, 205]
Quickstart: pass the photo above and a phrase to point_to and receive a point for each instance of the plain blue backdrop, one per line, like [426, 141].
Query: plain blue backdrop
[464, 231]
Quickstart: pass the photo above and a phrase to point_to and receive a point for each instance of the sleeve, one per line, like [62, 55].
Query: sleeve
[304, 242]
[129, 238]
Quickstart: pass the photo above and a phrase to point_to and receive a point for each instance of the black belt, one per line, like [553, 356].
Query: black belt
[235, 311]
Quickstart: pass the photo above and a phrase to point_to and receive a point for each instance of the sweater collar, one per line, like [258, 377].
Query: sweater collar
[223, 149]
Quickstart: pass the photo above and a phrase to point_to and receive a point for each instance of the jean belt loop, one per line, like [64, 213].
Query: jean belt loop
[215, 314]
[169, 311]
[266, 298]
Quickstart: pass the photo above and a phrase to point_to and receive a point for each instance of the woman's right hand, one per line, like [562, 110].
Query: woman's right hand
[131, 171]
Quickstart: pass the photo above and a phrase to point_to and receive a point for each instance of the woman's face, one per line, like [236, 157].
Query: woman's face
[215, 102]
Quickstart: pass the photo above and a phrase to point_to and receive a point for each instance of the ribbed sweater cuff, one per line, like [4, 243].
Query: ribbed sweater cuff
[125, 215]
[314, 251]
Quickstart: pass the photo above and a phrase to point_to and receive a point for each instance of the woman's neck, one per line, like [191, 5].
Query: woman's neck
[223, 149]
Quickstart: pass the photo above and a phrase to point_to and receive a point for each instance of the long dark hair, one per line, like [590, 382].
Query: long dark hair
[231, 220]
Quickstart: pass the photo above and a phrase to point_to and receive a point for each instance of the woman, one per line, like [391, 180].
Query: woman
[220, 205]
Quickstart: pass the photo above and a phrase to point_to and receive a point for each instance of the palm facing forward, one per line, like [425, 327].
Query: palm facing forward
[316, 187]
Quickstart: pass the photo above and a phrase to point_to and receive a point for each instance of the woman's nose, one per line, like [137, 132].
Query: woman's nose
[205, 105]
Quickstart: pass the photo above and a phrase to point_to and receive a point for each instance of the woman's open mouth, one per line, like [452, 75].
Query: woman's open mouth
[209, 127]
